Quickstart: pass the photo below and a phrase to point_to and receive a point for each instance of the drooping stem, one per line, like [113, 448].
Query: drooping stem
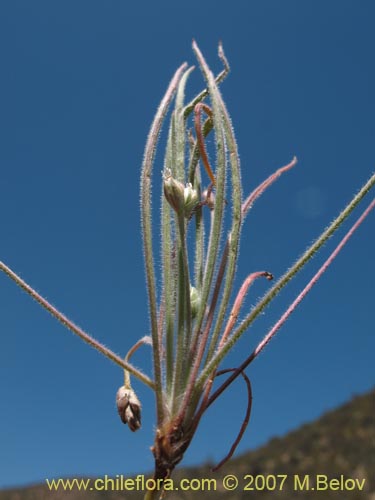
[129, 354]
[245, 420]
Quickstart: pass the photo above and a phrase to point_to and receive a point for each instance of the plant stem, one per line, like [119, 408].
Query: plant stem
[147, 233]
[74, 328]
[292, 307]
[132, 350]
[307, 255]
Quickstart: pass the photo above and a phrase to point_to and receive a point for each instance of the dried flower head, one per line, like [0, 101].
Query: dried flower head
[129, 408]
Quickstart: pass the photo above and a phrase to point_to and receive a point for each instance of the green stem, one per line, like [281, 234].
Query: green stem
[74, 328]
[169, 270]
[147, 233]
[307, 255]
[215, 230]
[290, 309]
[220, 77]
[230, 252]
[184, 314]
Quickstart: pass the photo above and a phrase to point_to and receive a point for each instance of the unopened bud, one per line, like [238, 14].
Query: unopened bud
[190, 199]
[195, 301]
[129, 408]
[182, 199]
[174, 192]
[208, 198]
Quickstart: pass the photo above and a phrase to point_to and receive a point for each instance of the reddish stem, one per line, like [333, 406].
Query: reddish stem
[245, 421]
[264, 185]
[293, 306]
[200, 138]
[238, 302]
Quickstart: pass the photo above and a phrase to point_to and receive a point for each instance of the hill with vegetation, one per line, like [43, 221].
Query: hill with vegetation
[331, 458]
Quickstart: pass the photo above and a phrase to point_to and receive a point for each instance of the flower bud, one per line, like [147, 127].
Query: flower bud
[182, 199]
[208, 198]
[195, 301]
[174, 192]
[190, 199]
[129, 408]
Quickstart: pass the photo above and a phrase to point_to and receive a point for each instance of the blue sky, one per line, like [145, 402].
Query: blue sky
[80, 82]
